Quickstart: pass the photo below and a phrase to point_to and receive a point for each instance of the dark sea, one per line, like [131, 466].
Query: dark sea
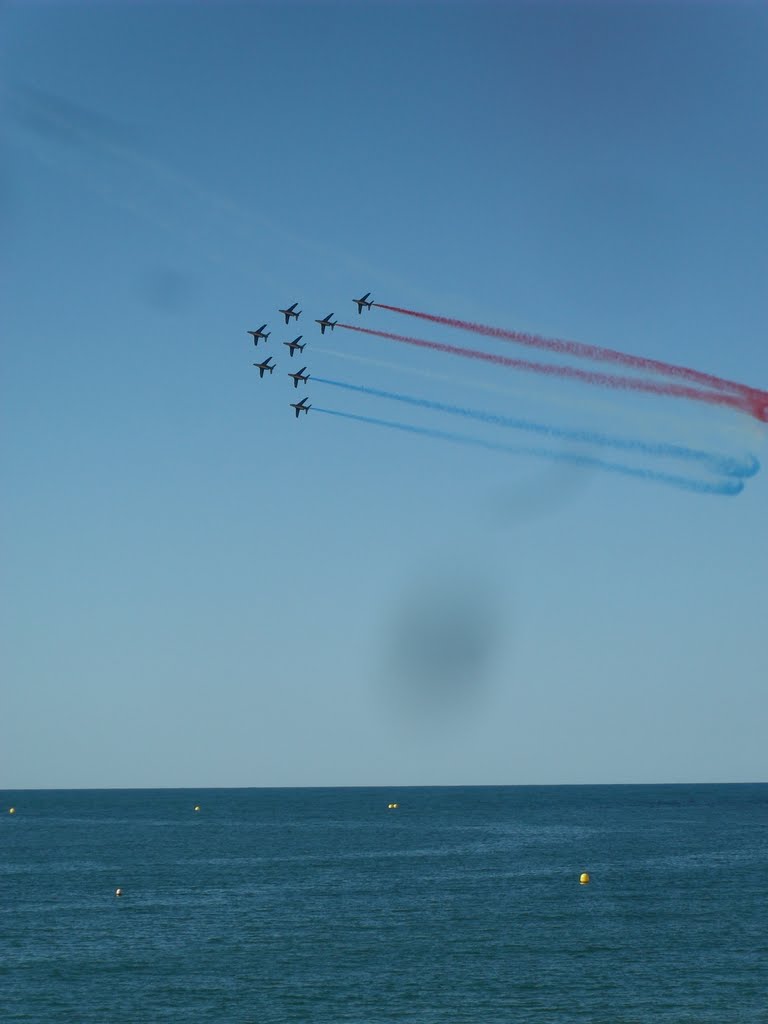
[325, 905]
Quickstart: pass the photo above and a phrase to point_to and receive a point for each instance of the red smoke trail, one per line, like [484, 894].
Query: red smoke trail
[576, 348]
[741, 402]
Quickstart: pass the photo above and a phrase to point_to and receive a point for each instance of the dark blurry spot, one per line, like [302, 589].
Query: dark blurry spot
[62, 121]
[7, 204]
[169, 291]
[443, 634]
[550, 490]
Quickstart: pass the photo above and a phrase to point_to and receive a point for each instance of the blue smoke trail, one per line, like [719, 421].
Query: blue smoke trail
[716, 463]
[727, 487]
[735, 429]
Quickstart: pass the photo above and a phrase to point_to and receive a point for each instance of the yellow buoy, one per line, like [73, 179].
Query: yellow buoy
[11, 810]
[118, 892]
[392, 806]
[584, 878]
[197, 807]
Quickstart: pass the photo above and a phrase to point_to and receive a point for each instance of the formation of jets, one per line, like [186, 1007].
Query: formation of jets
[300, 376]
[266, 366]
[363, 302]
[301, 406]
[293, 345]
[290, 312]
[259, 334]
[326, 322]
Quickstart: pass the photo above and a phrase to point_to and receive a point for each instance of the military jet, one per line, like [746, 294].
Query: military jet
[300, 407]
[362, 302]
[327, 322]
[293, 345]
[300, 376]
[259, 334]
[266, 366]
[290, 312]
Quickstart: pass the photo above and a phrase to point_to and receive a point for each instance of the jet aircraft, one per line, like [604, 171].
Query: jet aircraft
[362, 302]
[327, 322]
[300, 376]
[265, 366]
[300, 407]
[290, 312]
[259, 334]
[293, 345]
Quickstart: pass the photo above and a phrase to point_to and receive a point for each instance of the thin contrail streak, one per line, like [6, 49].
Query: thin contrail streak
[34, 109]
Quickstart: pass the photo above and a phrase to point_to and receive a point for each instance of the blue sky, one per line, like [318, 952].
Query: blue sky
[200, 590]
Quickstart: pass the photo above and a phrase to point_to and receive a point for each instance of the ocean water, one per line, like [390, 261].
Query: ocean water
[323, 905]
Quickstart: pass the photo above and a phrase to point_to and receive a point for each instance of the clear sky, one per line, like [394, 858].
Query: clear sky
[200, 590]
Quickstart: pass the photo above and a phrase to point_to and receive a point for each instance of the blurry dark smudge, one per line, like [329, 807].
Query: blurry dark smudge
[440, 644]
[169, 291]
[551, 490]
[7, 204]
[61, 121]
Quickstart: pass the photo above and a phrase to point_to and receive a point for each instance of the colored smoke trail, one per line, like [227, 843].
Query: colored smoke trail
[726, 487]
[741, 431]
[715, 463]
[758, 398]
[740, 402]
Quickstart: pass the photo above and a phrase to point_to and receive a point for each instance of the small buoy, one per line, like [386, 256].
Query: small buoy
[392, 806]
[11, 810]
[118, 892]
[197, 807]
[583, 878]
